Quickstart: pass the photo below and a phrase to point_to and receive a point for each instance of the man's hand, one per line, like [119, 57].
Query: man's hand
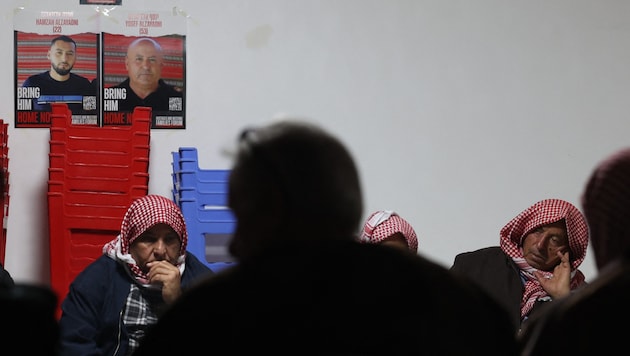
[166, 274]
[558, 285]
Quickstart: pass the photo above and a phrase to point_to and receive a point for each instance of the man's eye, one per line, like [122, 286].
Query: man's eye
[172, 239]
[147, 238]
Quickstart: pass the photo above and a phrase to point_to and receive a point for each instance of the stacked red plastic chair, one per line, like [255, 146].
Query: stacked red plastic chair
[202, 196]
[4, 196]
[94, 174]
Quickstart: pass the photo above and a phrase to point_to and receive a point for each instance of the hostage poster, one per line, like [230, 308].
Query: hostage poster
[101, 66]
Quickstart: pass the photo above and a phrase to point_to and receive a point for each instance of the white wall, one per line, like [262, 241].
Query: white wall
[460, 113]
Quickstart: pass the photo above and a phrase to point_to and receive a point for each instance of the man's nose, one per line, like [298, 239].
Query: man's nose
[160, 247]
[542, 241]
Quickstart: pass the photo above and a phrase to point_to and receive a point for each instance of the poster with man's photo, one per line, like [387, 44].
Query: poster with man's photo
[144, 64]
[101, 66]
[144, 71]
[56, 60]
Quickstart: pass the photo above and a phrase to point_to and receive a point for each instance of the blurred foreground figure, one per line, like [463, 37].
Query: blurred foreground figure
[305, 285]
[28, 325]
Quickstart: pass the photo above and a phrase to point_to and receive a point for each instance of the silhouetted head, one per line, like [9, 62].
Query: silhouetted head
[291, 182]
[606, 204]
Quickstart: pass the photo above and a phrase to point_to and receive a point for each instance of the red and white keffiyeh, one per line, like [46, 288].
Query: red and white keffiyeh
[542, 213]
[144, 213]
[382, 224]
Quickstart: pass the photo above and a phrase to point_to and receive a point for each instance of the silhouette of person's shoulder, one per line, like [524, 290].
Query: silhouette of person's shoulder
[28, 312]
[586, 322]
[335, 292]
[6, 280]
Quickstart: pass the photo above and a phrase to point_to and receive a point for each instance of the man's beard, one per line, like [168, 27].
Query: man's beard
[61, 71]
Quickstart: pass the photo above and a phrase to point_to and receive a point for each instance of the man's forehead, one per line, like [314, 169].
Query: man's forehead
[559, 225]
[63, 45]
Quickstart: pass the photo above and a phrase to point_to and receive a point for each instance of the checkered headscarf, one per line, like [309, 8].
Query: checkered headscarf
[542, 213]
[382, 224]
[144, 213]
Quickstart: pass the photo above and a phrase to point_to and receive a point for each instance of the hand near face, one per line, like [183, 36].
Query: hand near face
[156, 251]
[166, 274]
[558, 285]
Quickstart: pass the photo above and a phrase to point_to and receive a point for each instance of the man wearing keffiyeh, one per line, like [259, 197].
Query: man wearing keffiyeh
[537, 260]
[592, 321]
[113, 301]
[386, 227]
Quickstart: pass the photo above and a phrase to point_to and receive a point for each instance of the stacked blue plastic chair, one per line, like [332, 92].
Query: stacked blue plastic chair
[202, 196]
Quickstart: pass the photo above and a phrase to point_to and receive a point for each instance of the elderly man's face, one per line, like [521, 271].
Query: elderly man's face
[158, 243]
[541, 246]
[144, 64]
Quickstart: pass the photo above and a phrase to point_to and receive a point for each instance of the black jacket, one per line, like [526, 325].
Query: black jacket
[497, 274]
[6, 281]
[91, 322]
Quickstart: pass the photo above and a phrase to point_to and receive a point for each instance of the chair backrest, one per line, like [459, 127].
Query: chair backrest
[94, 174]
[202, 196]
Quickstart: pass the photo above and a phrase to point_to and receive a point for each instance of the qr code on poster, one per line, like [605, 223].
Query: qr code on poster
[175, 104]
[89, 102]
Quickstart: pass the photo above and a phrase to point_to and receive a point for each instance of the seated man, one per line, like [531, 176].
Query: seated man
[537, 260]
[387, 228]
[590, 321]
[116, 298]
[305, 285]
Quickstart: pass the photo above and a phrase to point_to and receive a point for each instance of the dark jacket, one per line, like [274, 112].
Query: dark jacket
[91, 320]
[335, 298]
[28, 319]
[159, 100]
[6, 281]
[498, 275]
